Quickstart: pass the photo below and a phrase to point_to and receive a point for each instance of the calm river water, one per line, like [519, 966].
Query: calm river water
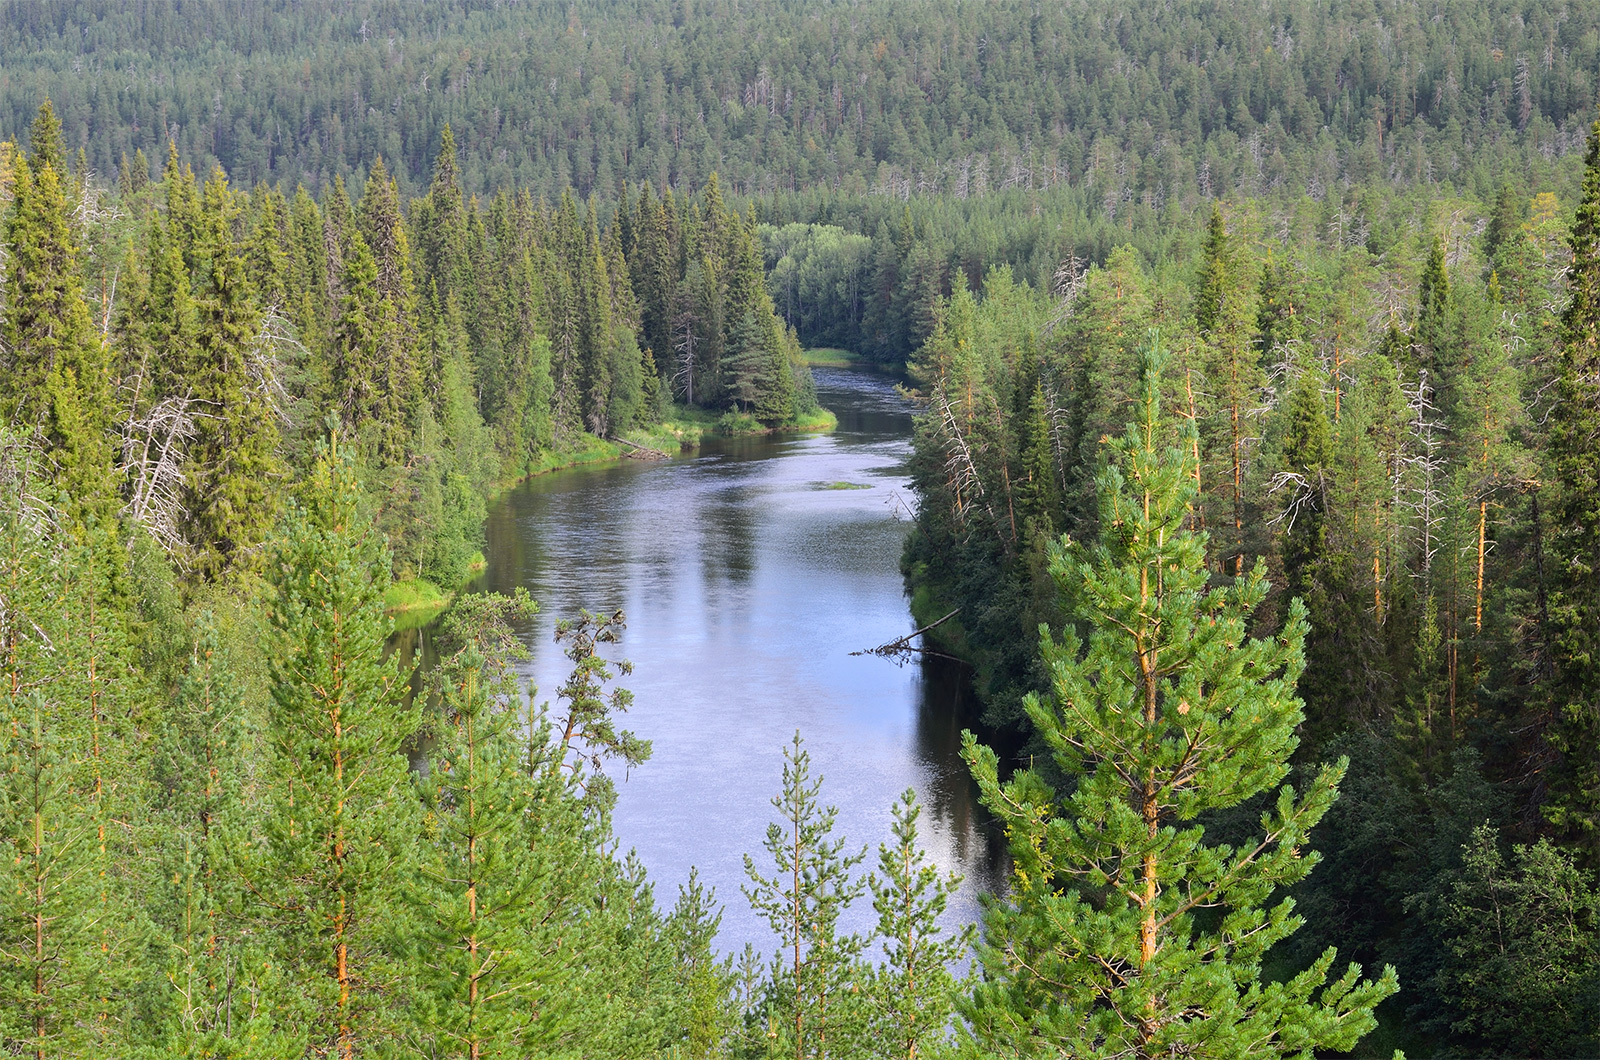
[748, 575]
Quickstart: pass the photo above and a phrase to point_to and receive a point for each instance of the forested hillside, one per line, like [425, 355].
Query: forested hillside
[1141, 102]
[1405, 443]
[1255, 358]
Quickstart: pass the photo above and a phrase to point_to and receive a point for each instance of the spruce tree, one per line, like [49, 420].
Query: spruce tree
[747, 366]
[1574, 541]
[1505, 226]
[1216, 283]
[364, 337]
[1038, 493]
[55, 374]
[1280, 309]
[44, 140]
[266, 260]
[306, 279]
[230, 496]
[1124, 933]
[1437, 334]
[440, 224]
[1307, 465]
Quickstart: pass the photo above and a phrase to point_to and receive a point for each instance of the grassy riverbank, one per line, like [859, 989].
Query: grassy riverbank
[832, 357]
[702, 424]
[415, 602]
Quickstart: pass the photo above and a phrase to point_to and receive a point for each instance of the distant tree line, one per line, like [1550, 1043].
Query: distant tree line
[1143, 103]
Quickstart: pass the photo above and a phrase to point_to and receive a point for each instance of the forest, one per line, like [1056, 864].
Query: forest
[1256, 361]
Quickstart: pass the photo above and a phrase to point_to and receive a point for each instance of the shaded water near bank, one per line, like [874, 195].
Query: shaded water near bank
[748, 572]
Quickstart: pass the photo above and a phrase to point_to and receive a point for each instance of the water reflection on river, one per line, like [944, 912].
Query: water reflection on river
[748, 574]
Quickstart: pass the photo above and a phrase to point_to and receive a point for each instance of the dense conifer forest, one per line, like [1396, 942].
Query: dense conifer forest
[1256, 354]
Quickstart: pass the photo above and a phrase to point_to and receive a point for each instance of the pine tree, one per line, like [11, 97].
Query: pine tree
[50, 967]
[68, 769]
[1232, 381]
[814, 1005]
[341, 809]
[200, 824]
[502, 888]
[1099, 948]
[913, 995]
[705, 1019]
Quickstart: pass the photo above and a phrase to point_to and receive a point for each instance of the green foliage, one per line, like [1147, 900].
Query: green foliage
[1574, 465]
[228, 501]
[341, 820]
[51, 972]
[1101, 947]
[913, 992]
[55, 377]
[814, 1004]
[1520, 949]
[170, 355]
[203, 829]
[1130, 107]
[72, 770]
[505, 839]
[705, 982]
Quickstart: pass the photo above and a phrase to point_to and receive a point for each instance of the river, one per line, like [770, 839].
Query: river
[748, 572]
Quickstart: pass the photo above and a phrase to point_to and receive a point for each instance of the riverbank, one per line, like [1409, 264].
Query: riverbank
[832, 357]
[414, 602]
[700, 423]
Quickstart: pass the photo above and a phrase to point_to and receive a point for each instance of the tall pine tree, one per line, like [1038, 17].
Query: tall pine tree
[1124, 932]
[341, 809]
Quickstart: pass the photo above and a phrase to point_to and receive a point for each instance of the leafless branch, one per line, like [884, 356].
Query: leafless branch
[901, 649]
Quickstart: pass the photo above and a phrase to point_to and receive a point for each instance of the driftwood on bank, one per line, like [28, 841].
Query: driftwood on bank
[902, 650]
[641, 452]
